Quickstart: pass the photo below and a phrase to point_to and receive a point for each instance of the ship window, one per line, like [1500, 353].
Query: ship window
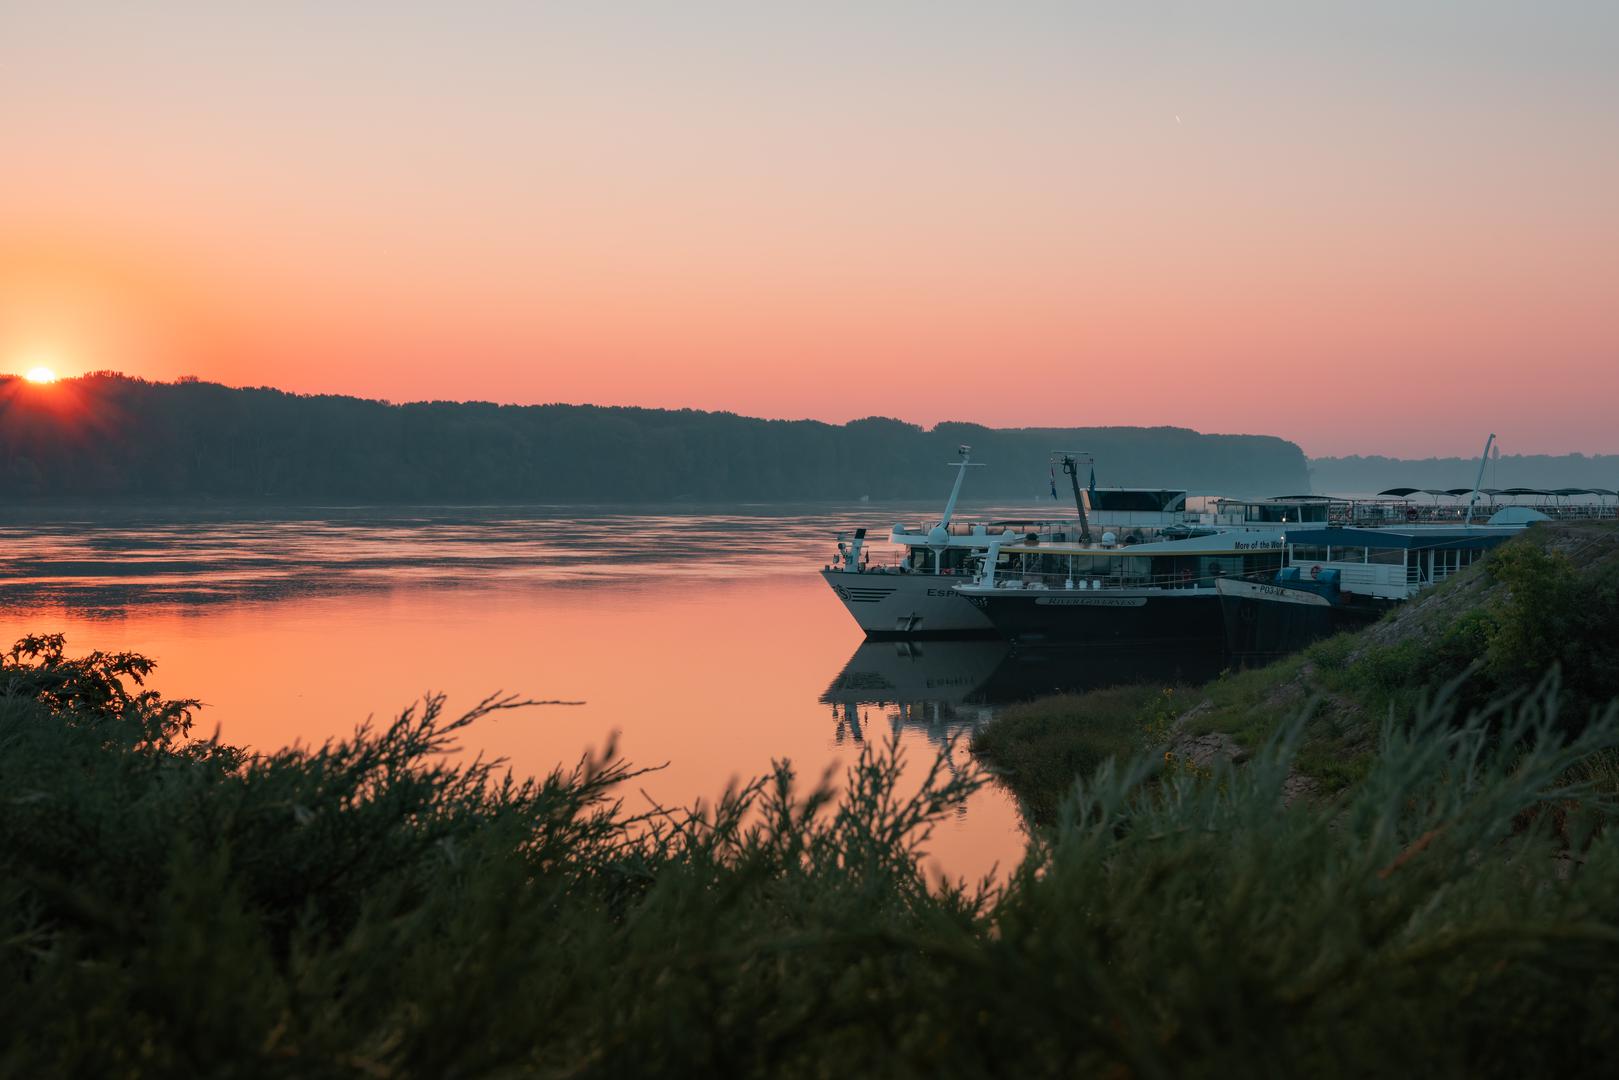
[1386, 556]
[1347, 554]
[1289, 513]
[1309, 553]
[1141, 500]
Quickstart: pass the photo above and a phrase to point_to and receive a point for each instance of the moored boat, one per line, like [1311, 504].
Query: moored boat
[912, 595]
[1343, 578]
[1266, 617]
[1160, 591]
[921, 590]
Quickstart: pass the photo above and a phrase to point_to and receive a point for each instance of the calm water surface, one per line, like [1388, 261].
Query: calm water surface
[701, 638]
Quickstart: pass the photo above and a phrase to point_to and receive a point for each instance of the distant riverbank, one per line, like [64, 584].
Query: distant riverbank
[108, 435]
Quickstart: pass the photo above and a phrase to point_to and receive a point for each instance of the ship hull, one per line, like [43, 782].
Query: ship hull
[1268, 620]
[908, 605]
[1034, 616]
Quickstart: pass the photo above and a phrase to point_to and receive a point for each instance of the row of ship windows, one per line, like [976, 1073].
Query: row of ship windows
[1310, 553]
[1318, 553]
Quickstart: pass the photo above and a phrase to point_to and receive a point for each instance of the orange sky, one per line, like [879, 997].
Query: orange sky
[1374, 229]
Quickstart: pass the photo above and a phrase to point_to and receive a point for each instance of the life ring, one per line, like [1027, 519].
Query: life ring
[1315, 571]
[1410, 513]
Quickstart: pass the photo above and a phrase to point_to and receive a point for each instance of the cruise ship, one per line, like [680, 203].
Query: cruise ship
[907, 591]
[1157, 590]
[915, 587]
[1342, 578]
[1350, 572]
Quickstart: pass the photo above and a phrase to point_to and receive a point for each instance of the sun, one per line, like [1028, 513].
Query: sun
[40, 374]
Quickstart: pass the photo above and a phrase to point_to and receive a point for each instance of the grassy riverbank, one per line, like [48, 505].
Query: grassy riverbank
[180, 907]
[1547, 600]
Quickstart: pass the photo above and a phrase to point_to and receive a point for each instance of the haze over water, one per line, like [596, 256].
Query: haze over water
[705, 640]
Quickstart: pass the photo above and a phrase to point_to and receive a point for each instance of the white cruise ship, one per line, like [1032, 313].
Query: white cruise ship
[912, 588]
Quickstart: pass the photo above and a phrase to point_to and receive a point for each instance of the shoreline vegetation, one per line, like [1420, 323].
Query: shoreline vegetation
[1439, 897]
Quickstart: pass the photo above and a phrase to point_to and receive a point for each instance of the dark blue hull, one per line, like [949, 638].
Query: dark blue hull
[1273, 625]
[1170, 615]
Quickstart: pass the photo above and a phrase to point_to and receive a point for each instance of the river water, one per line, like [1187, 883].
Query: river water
[701, 638]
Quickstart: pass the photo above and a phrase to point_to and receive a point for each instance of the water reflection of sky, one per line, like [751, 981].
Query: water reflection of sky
[136, 557]
[704, 640]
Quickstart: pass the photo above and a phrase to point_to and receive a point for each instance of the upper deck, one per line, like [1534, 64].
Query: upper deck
[1392, 562]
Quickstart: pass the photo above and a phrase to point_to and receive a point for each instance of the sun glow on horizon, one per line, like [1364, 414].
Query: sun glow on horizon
[39, 373]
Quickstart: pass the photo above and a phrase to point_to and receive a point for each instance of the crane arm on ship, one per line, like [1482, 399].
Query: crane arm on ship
[1071, 462]
[1484, 459]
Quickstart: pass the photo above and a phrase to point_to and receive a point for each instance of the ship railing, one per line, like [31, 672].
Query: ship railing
[878, 562]
[1405, 512]
[1061, 582]
[994, 530]
[900, 563]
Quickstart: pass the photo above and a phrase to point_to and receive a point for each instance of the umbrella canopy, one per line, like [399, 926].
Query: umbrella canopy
[1400, 493]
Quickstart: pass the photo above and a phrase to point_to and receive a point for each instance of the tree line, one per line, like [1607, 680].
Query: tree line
[108, 435]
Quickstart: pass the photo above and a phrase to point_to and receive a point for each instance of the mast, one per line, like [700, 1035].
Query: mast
[1483, 460]
[939, 535]
[1070, 466]
[965, 453]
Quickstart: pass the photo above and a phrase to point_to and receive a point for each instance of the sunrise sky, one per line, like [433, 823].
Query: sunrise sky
[1371, 227]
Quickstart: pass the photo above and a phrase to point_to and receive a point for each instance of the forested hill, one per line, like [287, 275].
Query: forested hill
[112, 436]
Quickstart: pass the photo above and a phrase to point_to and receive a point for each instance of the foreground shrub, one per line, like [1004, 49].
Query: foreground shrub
[368, 908]
[1453, 911]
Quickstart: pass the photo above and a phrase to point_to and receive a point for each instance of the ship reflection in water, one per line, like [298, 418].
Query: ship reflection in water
[945, 689]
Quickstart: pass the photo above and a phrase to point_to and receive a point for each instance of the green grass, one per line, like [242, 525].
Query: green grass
[368, 909]
[1239, 703]
[1039, 748]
